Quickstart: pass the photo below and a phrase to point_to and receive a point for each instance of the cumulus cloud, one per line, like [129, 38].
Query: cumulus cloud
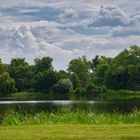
[21, 40]
[60, 28]
[110, 16]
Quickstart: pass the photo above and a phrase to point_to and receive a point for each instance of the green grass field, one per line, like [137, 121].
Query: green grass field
[70, 132]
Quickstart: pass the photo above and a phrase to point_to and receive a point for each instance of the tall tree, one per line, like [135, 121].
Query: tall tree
[121, 72]
[94, 62]
[22, 73]
[43, 64]
[44, 82]
[81, 68]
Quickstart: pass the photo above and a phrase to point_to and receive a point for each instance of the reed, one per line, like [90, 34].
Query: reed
[71, 117]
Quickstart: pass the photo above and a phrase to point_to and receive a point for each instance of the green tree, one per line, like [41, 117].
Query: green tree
[22, 73]
[4, 68]
[7, 84]
[94, 62]
[75, 80]
[45, 81]
[62, 74]
[121, 72]
[134, 77]
[43, 64]
[101, 74]
[80, 67]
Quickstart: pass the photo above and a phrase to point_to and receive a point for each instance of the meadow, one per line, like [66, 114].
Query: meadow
[71, 132]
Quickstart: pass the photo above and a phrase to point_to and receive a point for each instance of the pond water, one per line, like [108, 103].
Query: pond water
[53, 106]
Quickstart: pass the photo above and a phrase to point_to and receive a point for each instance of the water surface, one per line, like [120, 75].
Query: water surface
[56, 105]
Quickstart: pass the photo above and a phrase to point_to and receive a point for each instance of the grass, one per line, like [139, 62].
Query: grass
[25, 96]
[70, 117]
[68, 125]
[120, 95]
[110, 95]
[70, 132]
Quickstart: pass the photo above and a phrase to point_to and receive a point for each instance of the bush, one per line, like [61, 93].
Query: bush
[79, 93]
[64, 86]
[62, 89]
[80, 90]
[92, 88]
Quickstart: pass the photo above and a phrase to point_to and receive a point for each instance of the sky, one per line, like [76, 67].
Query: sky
[67, 29]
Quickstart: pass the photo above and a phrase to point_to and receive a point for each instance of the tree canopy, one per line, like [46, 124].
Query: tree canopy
[82, 76]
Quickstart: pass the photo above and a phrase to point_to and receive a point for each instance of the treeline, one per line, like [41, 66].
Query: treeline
[83, 78]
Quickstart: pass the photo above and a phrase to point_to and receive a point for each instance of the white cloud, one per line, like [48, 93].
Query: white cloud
[68, 14]
[59, 28]
[20, 3]
[21, 40]
[127, 31]
[110, 16]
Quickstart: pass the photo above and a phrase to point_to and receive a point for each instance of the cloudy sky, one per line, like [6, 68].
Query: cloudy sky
[65, 29]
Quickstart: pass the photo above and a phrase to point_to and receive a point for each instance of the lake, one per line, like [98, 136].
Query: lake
[53, 106]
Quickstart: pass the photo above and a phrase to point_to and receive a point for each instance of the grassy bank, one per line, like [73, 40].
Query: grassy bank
[25, 96]
[68, 125]
[69, 117]
[70, 132]
[119, 95]
[110, 95]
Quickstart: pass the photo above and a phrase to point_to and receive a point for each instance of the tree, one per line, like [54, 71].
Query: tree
[4, 68]
[62, 74]
[101, 74]
[129, 56]
[43, 64]
[81, 68]
[121, 72]
[94, 62]
[75, 80]
[117, 79]
[22, 73]
[45, 81]
[7, 84]
[134, 77]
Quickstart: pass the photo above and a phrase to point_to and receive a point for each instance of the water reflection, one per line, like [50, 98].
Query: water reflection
[49, 106]
[54, 106]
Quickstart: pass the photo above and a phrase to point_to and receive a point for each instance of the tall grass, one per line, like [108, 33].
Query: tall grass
[69, 117]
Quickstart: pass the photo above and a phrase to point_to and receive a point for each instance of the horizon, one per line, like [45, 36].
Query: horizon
[65, 68]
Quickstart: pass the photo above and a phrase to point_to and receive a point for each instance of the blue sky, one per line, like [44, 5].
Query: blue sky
[66, 29]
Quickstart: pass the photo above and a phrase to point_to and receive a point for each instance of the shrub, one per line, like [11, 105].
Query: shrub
[64, 86]
[93, 89]
[79, 93]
